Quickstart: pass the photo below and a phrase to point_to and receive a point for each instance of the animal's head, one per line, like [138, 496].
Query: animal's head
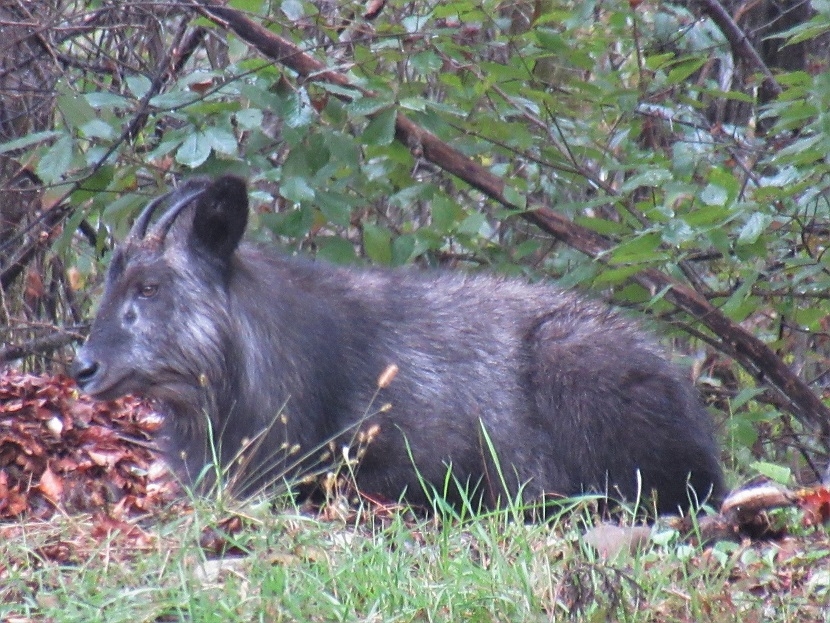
[162, 325]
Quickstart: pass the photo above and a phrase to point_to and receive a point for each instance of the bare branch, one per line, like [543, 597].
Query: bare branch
[41, 345]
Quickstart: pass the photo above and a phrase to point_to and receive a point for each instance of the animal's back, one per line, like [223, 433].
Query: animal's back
[567, 394]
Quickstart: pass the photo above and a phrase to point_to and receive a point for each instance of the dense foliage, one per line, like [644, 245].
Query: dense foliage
[644, 123]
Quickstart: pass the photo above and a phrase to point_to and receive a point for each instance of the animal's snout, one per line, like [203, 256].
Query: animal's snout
[84, 369]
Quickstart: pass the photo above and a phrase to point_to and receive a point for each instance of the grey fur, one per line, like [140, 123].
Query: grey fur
[573, 396]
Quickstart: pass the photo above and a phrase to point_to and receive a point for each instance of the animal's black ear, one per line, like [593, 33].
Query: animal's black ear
[221, 216]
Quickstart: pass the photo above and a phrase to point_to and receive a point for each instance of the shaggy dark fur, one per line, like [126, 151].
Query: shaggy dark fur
[572, 396]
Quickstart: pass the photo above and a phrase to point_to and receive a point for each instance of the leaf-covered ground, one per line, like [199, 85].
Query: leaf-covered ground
[62, 451]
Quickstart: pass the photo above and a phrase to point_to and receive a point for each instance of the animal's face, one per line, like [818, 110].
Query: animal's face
[160, 321]
[132, 323]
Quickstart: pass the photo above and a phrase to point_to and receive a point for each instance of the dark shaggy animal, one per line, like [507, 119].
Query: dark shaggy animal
[514, 387]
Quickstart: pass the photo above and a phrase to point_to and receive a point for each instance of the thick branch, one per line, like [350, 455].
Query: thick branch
[741, 46]
[751, 352]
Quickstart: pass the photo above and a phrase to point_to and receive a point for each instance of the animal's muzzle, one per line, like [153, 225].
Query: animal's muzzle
[84, 369]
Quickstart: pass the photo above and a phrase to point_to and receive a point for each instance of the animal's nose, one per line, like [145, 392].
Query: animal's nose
[84, 369]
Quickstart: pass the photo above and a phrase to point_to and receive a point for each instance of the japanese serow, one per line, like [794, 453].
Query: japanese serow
[503, 387]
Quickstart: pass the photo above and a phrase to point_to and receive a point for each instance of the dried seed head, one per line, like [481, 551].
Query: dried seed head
[387, 376]
[294, 449]
[372, 432]
[385, 408]
[284, 418]
[330, 482]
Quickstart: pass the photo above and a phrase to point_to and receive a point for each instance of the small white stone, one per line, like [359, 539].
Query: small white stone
[55, 425]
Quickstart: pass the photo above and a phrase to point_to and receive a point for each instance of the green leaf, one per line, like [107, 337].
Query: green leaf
[293, 9]
[105, 99]
[551, 40]
[296, 189]
[120, 208]
[98, 128]
[222, 140]
[194, 150]
[426, 63]
[29, 140]
[94, 185]
[377, 243]
[55, 163]
[615, 276]
[249, 118]
[813, 29]
[292, 223]
[409, 195]
[677, 232]
[685, 68]
[403, 248]
[294, 107]
[75, 110]
[350, 94]
[778, 473]
[739, 303]
[246, 6]
[381, 129]
[708, 216]
[753, 228]
[714, 195]
[650, 178]
[514, 197]
[139, 85]
[418, 104]
[173, 99]
[641, 249]
[335, 207]
[335, 250]
[318, 154]
[446, 213]
[744, 396]
[365, 106]
[601, 226]
[472, 224]
[811, 318]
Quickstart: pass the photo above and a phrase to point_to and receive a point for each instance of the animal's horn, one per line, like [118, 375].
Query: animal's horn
[163, 225]
[139, 228]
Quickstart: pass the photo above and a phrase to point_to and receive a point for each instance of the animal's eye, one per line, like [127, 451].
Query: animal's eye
[148, 290]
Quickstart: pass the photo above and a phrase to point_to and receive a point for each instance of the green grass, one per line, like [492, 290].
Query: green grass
[288, 566]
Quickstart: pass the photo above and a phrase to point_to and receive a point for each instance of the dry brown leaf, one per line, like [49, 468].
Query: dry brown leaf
[51, 485]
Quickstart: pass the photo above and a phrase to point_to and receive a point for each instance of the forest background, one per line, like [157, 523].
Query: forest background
[670, 158]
